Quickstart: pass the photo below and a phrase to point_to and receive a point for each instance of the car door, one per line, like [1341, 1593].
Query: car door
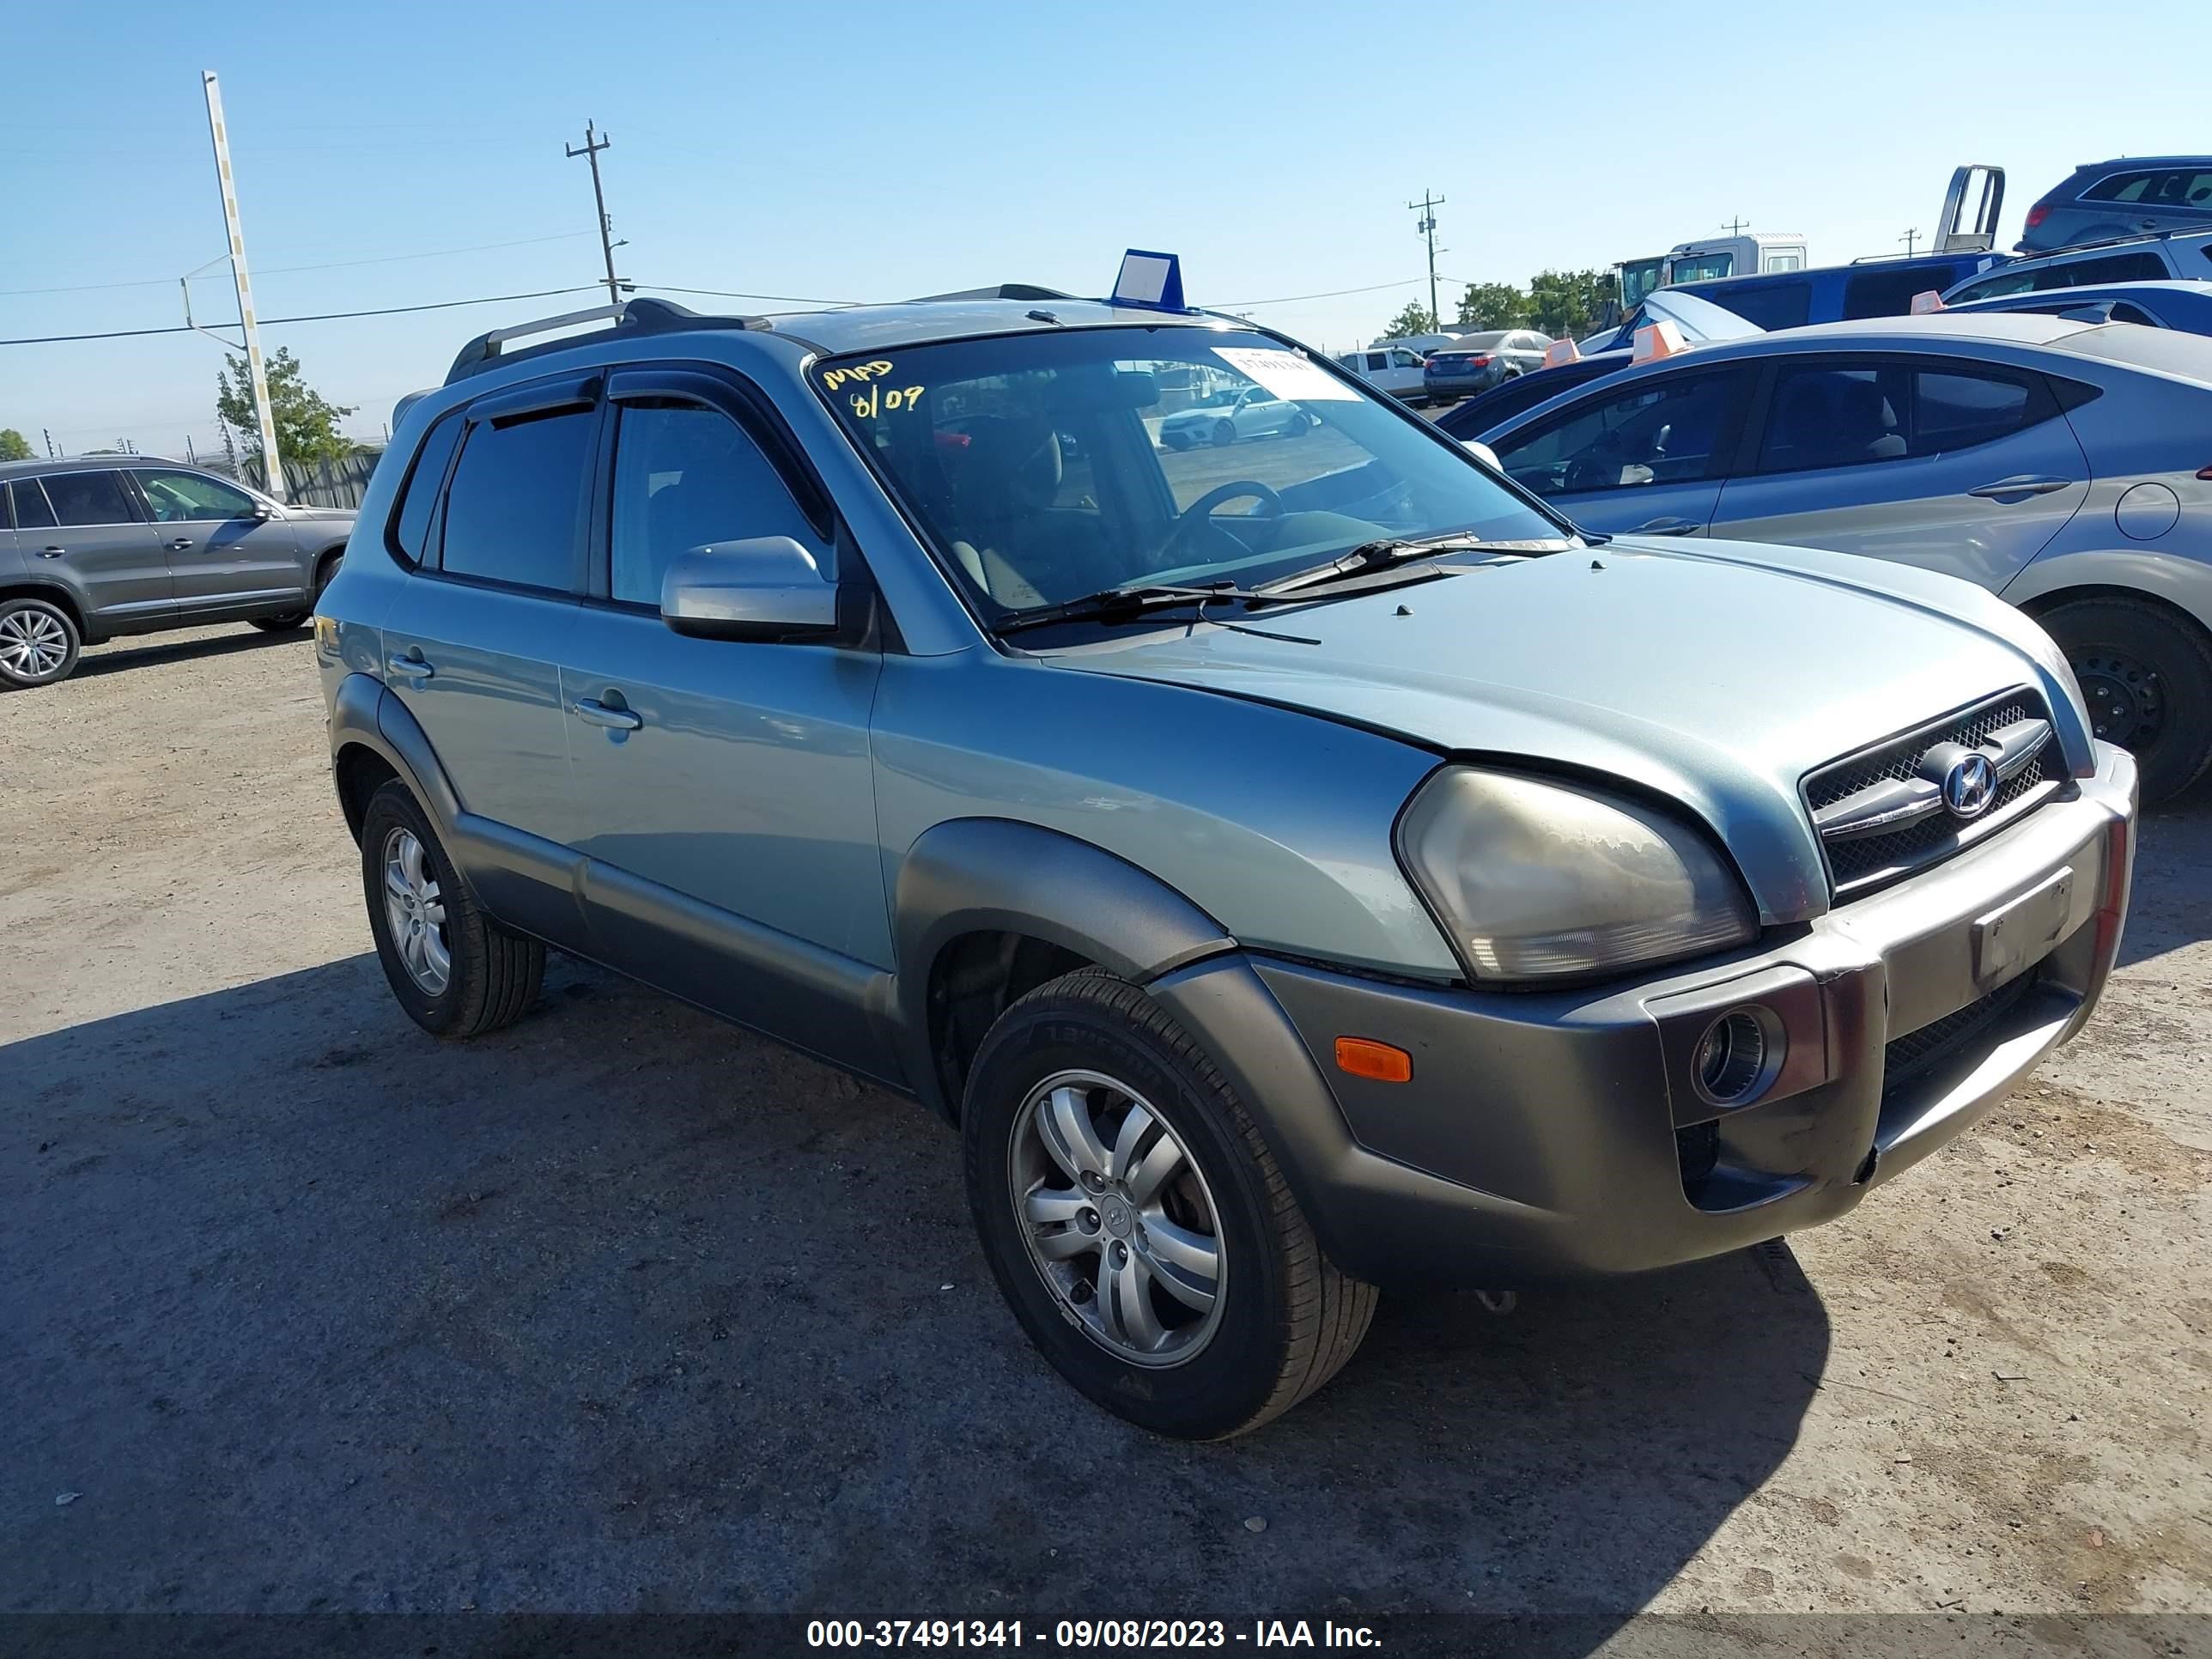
[472, 643]
[1646, 456]
[725, 791]
[1954, 465]
[1260, 411]
[227, 551]
[82, 529]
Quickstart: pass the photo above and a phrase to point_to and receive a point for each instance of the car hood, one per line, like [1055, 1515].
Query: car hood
[1714, 675]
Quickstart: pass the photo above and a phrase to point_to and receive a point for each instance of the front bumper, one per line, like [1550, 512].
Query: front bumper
[1557, 1135]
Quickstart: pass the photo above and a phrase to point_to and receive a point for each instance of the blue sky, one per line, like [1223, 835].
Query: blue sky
[865, 151]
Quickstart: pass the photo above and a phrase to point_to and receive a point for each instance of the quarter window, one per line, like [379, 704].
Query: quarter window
[1666, 433]
[183, 495]
[88, 498]
[517, 495]
[687, 477]
[32, 511]
[410, 530]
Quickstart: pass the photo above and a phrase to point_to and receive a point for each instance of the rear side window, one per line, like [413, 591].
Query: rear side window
[684, 478]
[88, 498]
[513, 509]
[2174, 187]
[411, 528]
[32, 511]
[1844, 415]
[2116, 267]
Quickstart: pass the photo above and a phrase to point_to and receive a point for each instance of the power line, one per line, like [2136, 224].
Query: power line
[1332, 293]
[320, 317]
[732, 293]
[334, 265]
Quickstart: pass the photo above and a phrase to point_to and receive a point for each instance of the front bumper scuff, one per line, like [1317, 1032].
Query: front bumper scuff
[1542, 1135]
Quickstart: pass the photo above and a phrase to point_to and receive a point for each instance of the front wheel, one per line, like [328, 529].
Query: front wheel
[2146, 675]
[1224, 434]
[1137, 1222]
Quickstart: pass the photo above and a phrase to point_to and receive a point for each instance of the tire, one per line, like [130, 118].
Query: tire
[1300, 425]
[1176, 440]
[1224, 434]
[2147, 674]
[491, 975]
[39, 643]
[1285, 1318]
[292, 619]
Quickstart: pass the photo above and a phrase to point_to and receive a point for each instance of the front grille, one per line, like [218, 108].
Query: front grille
[1855, 867]
[1918, 1053]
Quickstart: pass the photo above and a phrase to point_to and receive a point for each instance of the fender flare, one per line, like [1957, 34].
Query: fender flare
[2143, 571]
[999, 875]
[365, 714]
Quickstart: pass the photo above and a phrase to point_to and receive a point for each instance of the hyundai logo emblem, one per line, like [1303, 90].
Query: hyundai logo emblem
[1970, 786]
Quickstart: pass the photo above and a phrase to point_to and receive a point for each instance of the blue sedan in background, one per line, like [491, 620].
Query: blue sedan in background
[2065, 465]
[2177, 304]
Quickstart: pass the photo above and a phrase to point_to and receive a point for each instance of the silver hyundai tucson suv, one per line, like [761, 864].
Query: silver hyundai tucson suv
[1293, 868]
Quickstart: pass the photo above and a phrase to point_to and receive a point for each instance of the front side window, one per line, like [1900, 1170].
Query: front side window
[980, 439]
[88, 498]
[180, 495]
[686, 477]
[1662, 432]
[32, 511]
[517, 495]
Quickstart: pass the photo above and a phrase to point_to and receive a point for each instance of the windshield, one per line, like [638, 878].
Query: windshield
[1046, 467]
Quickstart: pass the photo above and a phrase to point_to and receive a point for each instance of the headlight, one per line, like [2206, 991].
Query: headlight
[1536, 879]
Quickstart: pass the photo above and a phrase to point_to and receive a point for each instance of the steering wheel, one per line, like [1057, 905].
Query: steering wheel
[1200, 513]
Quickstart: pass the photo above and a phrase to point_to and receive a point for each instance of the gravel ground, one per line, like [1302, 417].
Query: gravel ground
[622, 1309]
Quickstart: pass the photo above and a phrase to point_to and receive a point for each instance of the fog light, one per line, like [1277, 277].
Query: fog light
[1737, 1057]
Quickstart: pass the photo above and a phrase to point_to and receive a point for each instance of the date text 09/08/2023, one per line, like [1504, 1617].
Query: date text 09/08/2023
[1085, 1633]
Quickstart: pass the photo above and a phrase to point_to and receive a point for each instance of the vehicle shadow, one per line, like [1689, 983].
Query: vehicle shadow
[624, 1310]
[117, 656]
[2170, 907]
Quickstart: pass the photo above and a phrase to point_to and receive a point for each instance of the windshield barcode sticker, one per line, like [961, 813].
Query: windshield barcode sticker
[1286, 374]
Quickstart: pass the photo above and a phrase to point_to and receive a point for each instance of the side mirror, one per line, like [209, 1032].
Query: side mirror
[1481, 451]
[765, 587]
[263, 512]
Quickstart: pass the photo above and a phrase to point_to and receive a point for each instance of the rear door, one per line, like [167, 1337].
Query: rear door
[225, 550]
[1643, 458]
[473, 643]
[83, 529]
[1954, 465]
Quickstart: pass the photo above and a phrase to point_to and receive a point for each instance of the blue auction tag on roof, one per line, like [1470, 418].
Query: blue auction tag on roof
[1152, 280]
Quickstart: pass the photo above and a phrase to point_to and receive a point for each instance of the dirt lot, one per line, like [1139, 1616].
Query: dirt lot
[622, 1309]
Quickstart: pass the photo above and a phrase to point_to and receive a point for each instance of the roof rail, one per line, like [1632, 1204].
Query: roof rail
[1000, 291]
[2106, 241]
[642, 316]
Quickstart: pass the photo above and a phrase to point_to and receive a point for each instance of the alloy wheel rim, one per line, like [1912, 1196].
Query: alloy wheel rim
[417, 912]
[1117, 1219]
[33, 644]
[2127, 703]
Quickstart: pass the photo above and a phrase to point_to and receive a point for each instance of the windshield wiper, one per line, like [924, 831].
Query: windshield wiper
[1117, 603]
[1372, 556]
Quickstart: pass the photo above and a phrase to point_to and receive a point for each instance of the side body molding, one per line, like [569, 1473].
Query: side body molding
[995, 875]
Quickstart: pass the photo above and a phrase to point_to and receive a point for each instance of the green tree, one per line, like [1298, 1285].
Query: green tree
[14, 445]
[1415, 319]
[306, 423]
[1493, 304]
[1566, 302]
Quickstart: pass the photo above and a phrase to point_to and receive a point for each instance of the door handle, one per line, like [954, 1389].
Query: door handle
[410, 668]
[51, 552]
[1666, 528]
[182, 544]
[592, 711]
[2025, 484]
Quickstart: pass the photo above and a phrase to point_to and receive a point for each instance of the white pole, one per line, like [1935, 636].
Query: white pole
[272, 463]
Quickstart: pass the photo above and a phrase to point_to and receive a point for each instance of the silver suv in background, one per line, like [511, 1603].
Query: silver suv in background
[99, 547]
[2186, 257]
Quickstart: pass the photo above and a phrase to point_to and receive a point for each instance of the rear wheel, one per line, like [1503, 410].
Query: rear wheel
[2146, 675]
[1137, 1222]
[292, 619]
[456, 971]
[39, 643]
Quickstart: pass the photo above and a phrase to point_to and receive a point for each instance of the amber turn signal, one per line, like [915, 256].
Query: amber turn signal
[1377, 1061]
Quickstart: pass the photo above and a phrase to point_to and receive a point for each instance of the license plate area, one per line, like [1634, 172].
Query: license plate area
[2019, 933]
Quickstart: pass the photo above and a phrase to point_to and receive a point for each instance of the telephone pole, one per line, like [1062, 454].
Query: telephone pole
[1909, 238]
[594, 141]
[1736, 226]
[272, 463]
[1427, 207]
